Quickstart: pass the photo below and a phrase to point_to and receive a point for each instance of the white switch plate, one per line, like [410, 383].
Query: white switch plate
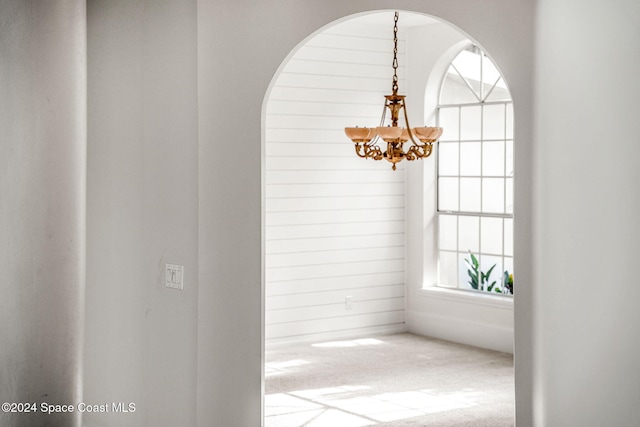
[174, 276]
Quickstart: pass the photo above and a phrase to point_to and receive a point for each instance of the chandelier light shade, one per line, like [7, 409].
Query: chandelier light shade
[369, 140]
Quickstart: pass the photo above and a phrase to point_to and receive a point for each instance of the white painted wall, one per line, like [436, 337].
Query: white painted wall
[143, 342]
[142, 211]
[230, 293]
[587, 209]
[334, 222]
[42, 213]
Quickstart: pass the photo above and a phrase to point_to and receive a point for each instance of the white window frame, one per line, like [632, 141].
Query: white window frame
[506, 215]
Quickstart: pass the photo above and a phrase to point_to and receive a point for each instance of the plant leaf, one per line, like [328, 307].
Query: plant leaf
[490, 270]
[474, 279]
[475, 260]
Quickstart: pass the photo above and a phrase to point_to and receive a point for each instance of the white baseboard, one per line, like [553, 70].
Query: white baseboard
[450, 328]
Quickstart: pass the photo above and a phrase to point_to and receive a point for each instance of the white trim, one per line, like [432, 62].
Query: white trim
[463, 331]
[473, 318]
[495, 300]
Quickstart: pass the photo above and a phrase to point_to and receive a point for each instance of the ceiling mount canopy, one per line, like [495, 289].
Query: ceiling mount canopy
[368, 140]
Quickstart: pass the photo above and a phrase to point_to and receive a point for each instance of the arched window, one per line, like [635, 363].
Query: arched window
[475, 176]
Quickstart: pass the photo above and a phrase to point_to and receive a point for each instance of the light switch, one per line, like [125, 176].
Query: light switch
[174, 276]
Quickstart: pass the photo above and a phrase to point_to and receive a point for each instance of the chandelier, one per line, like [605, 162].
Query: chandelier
[368, 140]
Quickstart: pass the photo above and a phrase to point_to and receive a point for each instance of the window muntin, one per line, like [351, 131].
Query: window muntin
[475, 173]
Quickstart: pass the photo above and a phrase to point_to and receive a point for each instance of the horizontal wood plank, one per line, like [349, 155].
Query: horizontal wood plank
[319, 271]
[334, 297]
[322, 284]
[335, 324]
[337, 216]
[293, 190]
[370, 177]
[328, 258]
[325, 230]
[328, 311]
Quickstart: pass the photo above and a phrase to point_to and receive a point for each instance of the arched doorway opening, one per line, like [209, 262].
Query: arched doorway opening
[340, 240]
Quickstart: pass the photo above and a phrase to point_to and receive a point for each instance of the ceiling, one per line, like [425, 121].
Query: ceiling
[406, 19]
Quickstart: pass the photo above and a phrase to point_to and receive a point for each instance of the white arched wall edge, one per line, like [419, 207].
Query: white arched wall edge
[230, 295]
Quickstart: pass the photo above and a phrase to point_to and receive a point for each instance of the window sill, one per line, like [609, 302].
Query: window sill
[468, 297]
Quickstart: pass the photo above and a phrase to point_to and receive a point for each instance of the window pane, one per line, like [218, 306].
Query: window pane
[470, 194]
[508, 265]
[489, 71]
[467, 63]
[493, 195]
[470, 158]
[448, 269]
[499, 92]
[491, 236]
[493, 121]
[493, 158]
[469, 234]
[470, 123]
[508, 236]
[509, 194]
[448, 121]
[509, 159]
[448, 194]
[455, 90]
[448, 232]
[448, 158]
[509, 122]
[464, 269]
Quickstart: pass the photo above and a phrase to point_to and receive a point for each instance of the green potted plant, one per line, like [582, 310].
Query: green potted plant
[478, 279]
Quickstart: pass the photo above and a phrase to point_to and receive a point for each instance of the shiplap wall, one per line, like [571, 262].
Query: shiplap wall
[334, 222]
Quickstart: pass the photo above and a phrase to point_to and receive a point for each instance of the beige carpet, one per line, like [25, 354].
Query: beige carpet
[391, 380]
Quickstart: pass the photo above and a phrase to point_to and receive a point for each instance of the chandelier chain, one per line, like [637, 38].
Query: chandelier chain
[395, 54]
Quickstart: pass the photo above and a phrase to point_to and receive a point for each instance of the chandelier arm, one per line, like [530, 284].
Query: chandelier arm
[373, 142]
[410, 154]
[419, 152]
[406, 121]
[359, 148]
[426, 152]
[373, 152]
[413, 154]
